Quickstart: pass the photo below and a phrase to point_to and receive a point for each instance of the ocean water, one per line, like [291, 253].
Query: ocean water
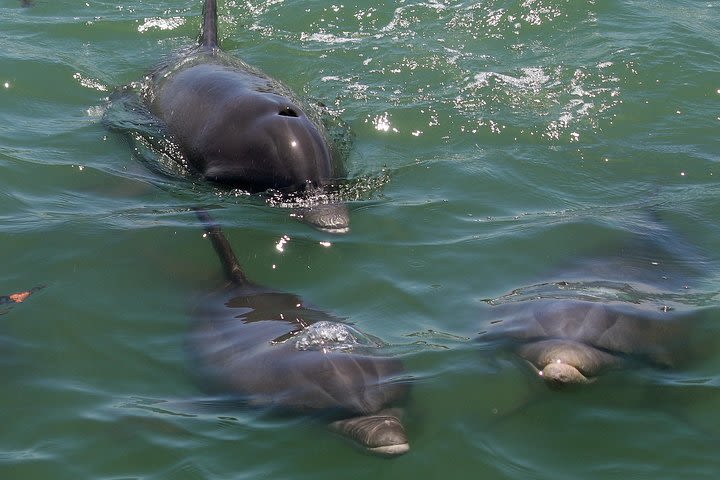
[495, 143]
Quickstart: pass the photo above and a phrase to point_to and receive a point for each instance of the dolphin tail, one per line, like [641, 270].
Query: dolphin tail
[229, 261]
[208, 35]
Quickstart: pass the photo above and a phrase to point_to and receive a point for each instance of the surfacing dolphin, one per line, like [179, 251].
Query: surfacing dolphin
[608, 314]
[568, 341]
[236, 127]
[270, 349]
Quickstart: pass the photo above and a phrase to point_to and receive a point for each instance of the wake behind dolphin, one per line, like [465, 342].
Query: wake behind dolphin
[268, 348]
[236, 127]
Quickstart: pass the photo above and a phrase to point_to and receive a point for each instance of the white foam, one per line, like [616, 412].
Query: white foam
[90, 82]
[326, 336]
[161, 23]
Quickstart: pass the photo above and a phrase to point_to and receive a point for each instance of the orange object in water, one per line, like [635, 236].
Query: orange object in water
[19, 297]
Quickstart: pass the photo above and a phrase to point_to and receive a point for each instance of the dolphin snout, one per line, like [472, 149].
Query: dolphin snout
[332, 217]
[381, 433]
[566, 362]
[558, 374]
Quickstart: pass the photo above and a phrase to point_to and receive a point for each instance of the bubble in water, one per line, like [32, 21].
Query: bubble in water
[326, 336]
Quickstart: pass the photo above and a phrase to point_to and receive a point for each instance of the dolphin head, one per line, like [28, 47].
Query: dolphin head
[263, 141]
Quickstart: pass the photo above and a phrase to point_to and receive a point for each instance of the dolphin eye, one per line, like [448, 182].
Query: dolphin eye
[288, 112]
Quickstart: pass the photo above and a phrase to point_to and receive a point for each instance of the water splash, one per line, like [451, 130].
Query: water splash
[329, 337]
[161, 23]
[90, 82]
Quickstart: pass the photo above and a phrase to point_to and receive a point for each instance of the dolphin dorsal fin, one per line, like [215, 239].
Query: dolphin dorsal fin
[208, 35]
[233, 270]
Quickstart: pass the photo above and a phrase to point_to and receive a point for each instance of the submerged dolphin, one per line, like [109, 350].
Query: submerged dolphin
[569, 341]
[236, 127]
[270, 349]
[572, 331]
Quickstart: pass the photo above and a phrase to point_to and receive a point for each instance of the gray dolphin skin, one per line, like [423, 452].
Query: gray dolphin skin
[268, 348]
[570, 341]
[624, 307]
[239, 128]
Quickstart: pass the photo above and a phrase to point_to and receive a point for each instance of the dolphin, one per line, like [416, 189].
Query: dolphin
[570, 341]
[236, 127]
[607, 312]
[269, 348]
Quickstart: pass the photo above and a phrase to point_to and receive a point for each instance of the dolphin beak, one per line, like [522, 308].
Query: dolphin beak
[558, 374]
[332, 217]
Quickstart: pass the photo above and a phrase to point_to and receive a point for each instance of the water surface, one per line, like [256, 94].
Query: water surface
[508, 136]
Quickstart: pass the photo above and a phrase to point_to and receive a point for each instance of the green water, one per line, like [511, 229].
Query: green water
[513, 136]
